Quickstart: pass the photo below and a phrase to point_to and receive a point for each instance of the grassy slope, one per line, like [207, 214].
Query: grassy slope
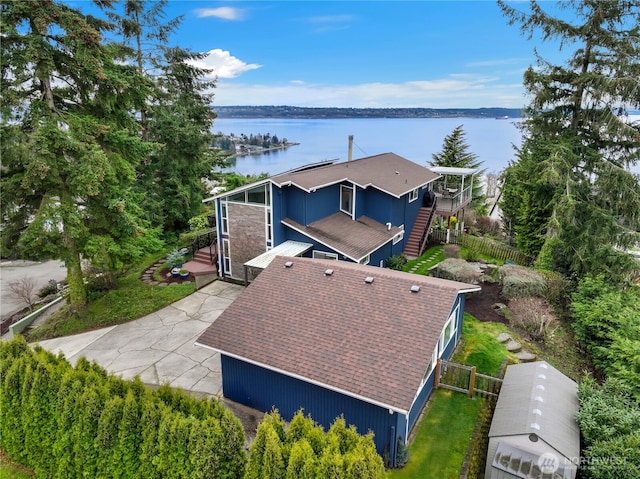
[442, 436]
[132, 299]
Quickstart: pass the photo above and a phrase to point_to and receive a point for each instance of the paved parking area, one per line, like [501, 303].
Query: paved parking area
[159, 347]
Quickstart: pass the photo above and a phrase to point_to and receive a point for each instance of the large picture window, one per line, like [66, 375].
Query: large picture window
[413, 195]
[346, 199]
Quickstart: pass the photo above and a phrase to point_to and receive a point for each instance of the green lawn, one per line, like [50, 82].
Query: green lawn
[131, 300]
[429, 258]
[442, 436]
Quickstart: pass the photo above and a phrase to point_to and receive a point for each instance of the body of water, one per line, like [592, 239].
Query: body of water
[415, 139]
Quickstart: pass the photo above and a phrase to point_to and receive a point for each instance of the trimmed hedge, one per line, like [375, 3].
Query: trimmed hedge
[521, 281]
[304, 450]
[66, 422]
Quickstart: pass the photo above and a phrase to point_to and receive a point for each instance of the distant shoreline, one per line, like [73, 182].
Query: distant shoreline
[296, 112]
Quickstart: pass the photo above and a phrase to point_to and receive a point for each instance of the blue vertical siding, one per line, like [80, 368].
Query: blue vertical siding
[264, 390]
[278, 211]
[421, 400]
[321, 203]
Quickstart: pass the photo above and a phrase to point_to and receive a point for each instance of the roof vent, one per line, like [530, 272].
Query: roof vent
[543, 366]
[540, 387]
[542, 376]
[538, 399]
[288, 264]
[397, 172]
[328, 272]
[535, 425]
[368, 279]
[537, 412]
[415, 288]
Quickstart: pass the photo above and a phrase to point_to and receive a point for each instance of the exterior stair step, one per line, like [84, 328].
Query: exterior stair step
[526, 356]
[513, 346]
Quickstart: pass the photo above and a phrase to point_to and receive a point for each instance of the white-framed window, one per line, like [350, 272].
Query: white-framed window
[432, 364]
[258, 195]
[346, 199]
[365, 260]
[413, 195]
[225, 218]
[400, 236]
[226, 256]
[267, 220]
[449, 331]
[324, 255]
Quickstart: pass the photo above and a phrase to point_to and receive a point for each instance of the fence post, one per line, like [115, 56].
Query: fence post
[472, 381]
[437, 378]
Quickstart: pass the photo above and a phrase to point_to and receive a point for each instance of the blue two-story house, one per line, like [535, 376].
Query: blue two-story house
[360, 211]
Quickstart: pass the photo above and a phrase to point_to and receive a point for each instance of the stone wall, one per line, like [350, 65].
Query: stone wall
[247, 237]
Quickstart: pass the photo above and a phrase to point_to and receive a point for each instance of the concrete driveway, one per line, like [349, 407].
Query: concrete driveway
[159, 347]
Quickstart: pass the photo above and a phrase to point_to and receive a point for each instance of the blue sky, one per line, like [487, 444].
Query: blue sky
[432, 54]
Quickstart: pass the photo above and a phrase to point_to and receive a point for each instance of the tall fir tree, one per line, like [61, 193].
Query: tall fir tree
[177, 117]
[575, 162]
[455, 153]
[72, 143]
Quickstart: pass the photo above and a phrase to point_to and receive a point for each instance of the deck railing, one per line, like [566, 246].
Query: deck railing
[451, 199]
[202, 241]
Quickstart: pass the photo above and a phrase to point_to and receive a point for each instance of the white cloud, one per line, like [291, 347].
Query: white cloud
[226, 13]
[223, 64]
[454, 91]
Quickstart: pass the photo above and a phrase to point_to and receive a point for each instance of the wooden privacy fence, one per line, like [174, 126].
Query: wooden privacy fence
[482, 245]
[465, 379]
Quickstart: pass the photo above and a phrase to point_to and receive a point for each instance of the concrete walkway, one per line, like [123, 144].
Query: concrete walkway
[159, 347]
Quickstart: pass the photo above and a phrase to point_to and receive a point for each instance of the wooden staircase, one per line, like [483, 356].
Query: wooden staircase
[420, 232]
[202, 263]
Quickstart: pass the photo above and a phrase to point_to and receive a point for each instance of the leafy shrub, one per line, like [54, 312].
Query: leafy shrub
[521, 281]
[531, 315]
[607, 325]
[609, 419]
[396, 262]
[451, 251]
[50, 288]
[486, 226]
[457, 270]
[557, 291]
[175, 258]
[470, 254]
[200, 222]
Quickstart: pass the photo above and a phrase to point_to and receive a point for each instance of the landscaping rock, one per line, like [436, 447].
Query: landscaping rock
[504, 337]
[526, 356]
[513, 346]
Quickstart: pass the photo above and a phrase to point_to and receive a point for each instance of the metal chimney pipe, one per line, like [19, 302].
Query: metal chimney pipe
[350, 155]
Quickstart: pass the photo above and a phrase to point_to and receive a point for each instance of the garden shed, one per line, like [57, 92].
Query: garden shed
[534, 434]
[339, 338]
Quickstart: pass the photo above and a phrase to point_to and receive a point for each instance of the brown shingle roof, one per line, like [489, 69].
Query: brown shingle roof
[388, 172]
[354, 239]
[372, 341]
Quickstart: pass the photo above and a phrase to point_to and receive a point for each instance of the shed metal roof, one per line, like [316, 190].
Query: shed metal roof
[288, 248]
[536, 398]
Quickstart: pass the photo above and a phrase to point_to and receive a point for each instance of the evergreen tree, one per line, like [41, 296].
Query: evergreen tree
[73, 146]
[176, 117]
[455, 153]
[579, 143]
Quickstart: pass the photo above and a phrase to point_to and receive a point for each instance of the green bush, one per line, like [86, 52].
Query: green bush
[521, 281]
[397, 262]
[457, 270]
[303, 449]
[469, 254]
[66, 422]
[200, 222]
